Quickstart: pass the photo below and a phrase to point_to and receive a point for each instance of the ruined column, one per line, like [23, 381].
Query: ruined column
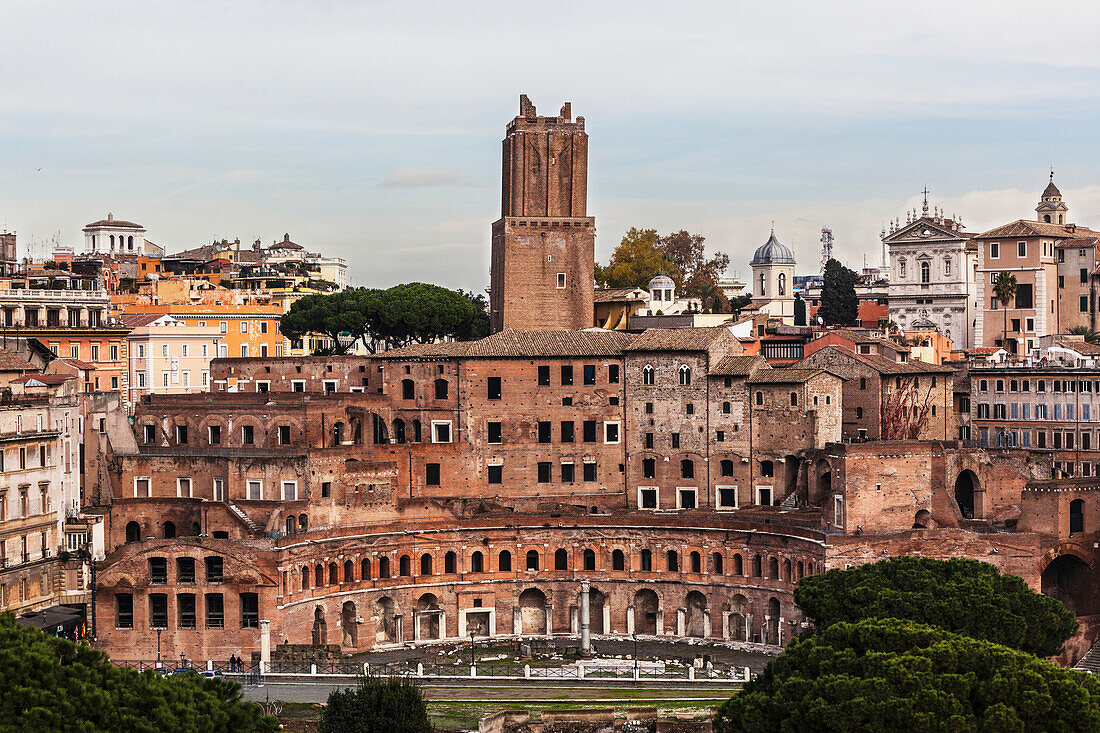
[586, 626]
[399, 628]
[517, 620]
[265, 646]
[606, 617]
[779, 632]
[748, 627]
[681, 622]
[630, 619]
[706, 623]
[416, 626]
[549, 620]
[660, 620]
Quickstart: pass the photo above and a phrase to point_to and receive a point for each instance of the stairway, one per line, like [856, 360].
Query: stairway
[244, 518]
[1091, 661]
[791, 502]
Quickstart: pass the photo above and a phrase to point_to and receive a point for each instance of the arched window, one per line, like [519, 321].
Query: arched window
[645, 560]
[349, 571]
[425, 564]
[133, 532]
[647, 374]
[763, 280]
[303, 522]
[673, 561]
[767, 469]
[441, 389]
[449, 562]
[687, 468]
[305, 577]
[773, 568]
[859, 413]
[383, 567]
[685, 374]
[408, 390]
[416, 431]
[318, 575]
[787, 570]
[759, 398]
[716, 561]
[404, 566]
[901, 269]
[794, 399]
[291, 524]
[333, 574]
[618, 560]
[1046, 218]
[561, 560]
[756, 566]
[925, 272]
[726, 409]
[782, 284]
[477, 562]
[727, 467]
[129, 242]
[532, 559]
[398, 430]
[696, 562]
[364, 569]
[168, 530]
[946, 265]
[738, 565]
[589, 560]
[863, 382]
[1077, 516]
[504, 561]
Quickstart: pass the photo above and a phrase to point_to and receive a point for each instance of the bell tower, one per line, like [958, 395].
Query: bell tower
[543, 251]
[1051, 208]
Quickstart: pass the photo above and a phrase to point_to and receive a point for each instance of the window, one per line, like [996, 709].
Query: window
[685, 498]
[250, 611]
[544, 472]
[561, 281]
[124, 610]
[1084, 276]
[158, 570]
[504, 561]
[1021, 249]
[158, 610]
[141, 487]
[1084, 304]
[689, 409]
[532, 559]
[431, 474]
[674, 439]
[441, 431]
[493, 390]
[647, 497]
[645, 560]
[566, 375]
[567, 473]
[685, 375]
[994, 250]
[925, 272]
[408, 389]
[647, 375]
[181, 434]
[544, 376]
[544, 431]
[494, 433]
[183, 487]
[244, 326]
[590, 471]
[567, 431]
[611, 433]
[649, 468]
[255, 490]
[649, 441]
[767, 469]
[290, 491]
[248, 435]
[672, 561]
[299, 385]
[764, 495]
[589, 431]
[214, 433]
[218, 490]
[284, 435]
[726, 497]
[149, 433]
[726, 408]
[687, 468]
[589, 373]
[612, 373]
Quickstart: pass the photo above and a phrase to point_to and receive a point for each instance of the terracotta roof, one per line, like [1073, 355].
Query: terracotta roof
[10, 362]
[44, 379]
[77, 363]
[1026, 228]
[615, 295]
[880, 364]
[1081, 347]
[677, 339]
[137, 320]
[789, 375]
[112, 222]
[739, 366]
[858, 338]
[515, 343]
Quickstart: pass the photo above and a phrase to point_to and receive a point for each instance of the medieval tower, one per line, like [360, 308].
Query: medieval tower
[544, 243]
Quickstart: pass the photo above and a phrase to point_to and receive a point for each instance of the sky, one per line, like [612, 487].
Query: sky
[371, 130]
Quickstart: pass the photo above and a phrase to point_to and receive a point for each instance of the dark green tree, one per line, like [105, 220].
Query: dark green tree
[799, 310]
[964, 596]
[332, 315]
[891, 675]
[636, 260]
[839, 305]
[479, 324]
[377, 705]
[1004, 287]
[736, 304]
[52, 684]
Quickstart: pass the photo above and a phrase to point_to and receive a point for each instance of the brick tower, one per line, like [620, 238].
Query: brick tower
[543, 243]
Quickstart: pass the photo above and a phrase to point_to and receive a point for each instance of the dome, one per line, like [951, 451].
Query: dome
[773, 251]
[1051, 190]
[661, 281]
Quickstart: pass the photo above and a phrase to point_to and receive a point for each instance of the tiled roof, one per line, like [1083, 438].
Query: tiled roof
[739, 366]
[861, 338]
[10, 362]
[789, 375]
[880, 364]
[677, 339]
[137, 320]
[44, 378]
[616, 295]
[113, 223]
[514, 343]
[86, 366]
[1081, 347]
[1025, 228]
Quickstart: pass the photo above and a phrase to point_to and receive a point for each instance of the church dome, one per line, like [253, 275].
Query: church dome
[1051, 189]
[773, 251]
[661, 282]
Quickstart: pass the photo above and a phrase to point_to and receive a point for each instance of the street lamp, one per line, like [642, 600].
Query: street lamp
[471, 647]
[634, 634]
[158, 629]
[183, 660]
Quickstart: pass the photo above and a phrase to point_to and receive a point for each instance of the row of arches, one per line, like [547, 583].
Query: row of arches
[757, 565]
[167, 530]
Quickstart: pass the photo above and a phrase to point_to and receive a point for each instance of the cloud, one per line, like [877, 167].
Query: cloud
[424, 178]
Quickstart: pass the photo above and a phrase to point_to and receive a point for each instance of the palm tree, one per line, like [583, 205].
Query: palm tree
[1091, 336]
[1004, 287]
[709, 295]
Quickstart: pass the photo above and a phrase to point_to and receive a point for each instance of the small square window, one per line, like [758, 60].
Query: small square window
[561, 280]
[496, 474]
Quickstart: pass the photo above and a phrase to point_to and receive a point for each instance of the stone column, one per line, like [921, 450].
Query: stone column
[681, 622]
[399, 628]
[416, 626]
[574, 620]
[586, 630]
[706, 623]
[606, 616]
[726, 626]
[779, 634]
[765, 631]
[517, 620]
[660, 620]
[748, 627]
[549, 620]
[442, 625]
[265, 646]
[20, 316]
[630, 619]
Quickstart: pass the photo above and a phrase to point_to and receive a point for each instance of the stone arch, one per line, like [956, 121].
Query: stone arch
[385, 613]
[504, 561]
[561, 559]
[379, 429]
[646, 608]
[823, 481]
[333, 574]
[791, 468]
[695, 623]
[533, 559]
[596, 602]
[477, 562]
[133, 532]
[738, 564]
[303, 522]
[696, 562]
[739, 606]
[364, 569]
[383, 567]
[338, 435]
[532, 609]
[427, 610]
[773, 568]
[618, 560]
[320, 627]
[416, 431]
[787, 570]
[757, 566]
[450, 562]
[168, 530]
[965, 487]
[349, 624]
[398, 430]
[923, 520]
[426, 564]
[1073, 582]
[349, 571]
[773, 620]
[305, 577]
[291, 525]
[404, 566]
[588, 557]
[318, 575]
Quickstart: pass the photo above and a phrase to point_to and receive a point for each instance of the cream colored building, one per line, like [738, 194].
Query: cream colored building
[773, 280]
[168, 356]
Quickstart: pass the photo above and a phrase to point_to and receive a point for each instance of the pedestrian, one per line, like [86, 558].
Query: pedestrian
[232, 663]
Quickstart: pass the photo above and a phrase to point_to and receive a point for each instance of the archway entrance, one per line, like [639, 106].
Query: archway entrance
[596, 602]
[696, 604]
[427, 611]
[738, 607]
[1072, 582]
[965, 486]
[385, 620]
[532, 610]
[773, 621]
[349, 625]
[320, 628]
[645, 611]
